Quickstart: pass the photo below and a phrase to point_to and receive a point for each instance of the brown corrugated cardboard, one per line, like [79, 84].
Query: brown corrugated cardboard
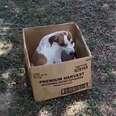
[54, 80]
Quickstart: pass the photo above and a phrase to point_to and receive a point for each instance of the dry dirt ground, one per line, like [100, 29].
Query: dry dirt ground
[97, 20]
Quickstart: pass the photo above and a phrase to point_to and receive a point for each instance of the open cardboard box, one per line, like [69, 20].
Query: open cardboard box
[54, 80]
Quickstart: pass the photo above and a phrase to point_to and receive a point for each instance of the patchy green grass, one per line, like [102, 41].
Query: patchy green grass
[3, 85]
[97, 21]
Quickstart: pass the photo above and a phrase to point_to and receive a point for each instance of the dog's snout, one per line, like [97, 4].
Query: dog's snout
[72, 53]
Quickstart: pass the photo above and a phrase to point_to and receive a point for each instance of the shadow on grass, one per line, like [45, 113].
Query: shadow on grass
[24, 104]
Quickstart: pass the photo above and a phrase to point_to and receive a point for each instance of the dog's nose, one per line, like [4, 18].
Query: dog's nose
[72, 53]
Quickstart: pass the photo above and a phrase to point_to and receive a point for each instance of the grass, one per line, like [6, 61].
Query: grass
[96, 23]
[3, 85]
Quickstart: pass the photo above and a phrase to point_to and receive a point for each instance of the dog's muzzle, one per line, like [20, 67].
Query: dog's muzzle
[71, 53]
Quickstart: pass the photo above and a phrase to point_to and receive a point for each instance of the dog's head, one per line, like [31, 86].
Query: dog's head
[64, 40]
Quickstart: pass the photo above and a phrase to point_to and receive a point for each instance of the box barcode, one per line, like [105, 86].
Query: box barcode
[74, 88]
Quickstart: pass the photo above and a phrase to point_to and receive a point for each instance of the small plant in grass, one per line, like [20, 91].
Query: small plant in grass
[94, 107]
[96, 94]
[111, 77]
[3, 85]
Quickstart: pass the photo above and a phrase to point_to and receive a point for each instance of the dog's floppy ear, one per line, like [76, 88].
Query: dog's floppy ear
[52, 39]
[69, 36]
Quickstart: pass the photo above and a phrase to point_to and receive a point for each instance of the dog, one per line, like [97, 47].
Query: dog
[51, 46]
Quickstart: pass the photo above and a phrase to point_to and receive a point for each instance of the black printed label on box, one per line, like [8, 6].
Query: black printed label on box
[62, 80]
[79, 73]
[73, 88]
[39, 76]
[80, 68]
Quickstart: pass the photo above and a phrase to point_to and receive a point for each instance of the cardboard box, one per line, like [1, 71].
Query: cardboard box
[54, 80]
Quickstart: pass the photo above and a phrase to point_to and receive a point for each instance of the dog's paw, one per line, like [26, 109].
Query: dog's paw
[57, 61]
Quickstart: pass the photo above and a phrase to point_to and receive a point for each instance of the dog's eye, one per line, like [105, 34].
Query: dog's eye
[69, 38]
[72, 42]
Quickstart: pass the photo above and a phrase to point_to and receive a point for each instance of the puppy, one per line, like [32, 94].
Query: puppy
[51, 46]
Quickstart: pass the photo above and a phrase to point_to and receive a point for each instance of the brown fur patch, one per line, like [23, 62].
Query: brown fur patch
[38, 59]
[69, 36]
[65, 33]
[57, 38]
[60, 38]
